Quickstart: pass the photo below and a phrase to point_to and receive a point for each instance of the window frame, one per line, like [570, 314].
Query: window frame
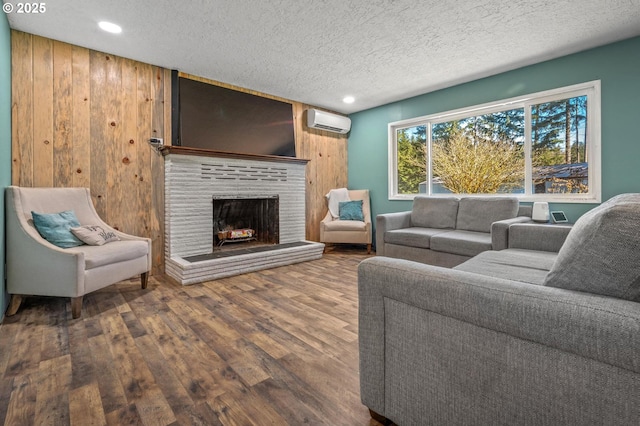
[590, 89]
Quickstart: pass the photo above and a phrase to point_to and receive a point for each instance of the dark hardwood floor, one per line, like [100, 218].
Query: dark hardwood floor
[275, 347]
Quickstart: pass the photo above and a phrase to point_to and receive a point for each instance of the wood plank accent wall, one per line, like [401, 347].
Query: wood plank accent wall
[326, 170]
[82, 118]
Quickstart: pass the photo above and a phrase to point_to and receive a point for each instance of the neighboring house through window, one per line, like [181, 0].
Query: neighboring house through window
[543, 146]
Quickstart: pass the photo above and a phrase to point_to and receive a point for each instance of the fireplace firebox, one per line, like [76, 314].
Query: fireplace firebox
[245, 219]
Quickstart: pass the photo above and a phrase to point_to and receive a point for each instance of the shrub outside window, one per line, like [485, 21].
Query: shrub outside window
[543, 146]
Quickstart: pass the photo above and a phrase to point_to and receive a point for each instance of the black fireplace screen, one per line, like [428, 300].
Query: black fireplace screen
[245, 219]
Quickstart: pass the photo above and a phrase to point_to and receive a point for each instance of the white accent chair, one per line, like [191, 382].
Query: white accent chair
[336, 231]
[37, 267]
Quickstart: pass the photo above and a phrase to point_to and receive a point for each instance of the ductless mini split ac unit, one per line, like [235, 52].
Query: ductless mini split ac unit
[323, 120]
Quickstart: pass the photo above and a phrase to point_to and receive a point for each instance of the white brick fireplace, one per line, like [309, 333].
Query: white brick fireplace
[194, 177]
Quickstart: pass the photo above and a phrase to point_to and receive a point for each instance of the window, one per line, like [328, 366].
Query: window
[544, 146]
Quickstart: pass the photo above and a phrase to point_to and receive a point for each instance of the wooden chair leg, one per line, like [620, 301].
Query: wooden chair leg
[76, 307]
[368, 248]
[14, 304]
[144, 279]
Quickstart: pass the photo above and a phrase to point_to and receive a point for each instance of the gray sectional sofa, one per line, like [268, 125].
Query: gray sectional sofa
[545, 332]
[448, 231]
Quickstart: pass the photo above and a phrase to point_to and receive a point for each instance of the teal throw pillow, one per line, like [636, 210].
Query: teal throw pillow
[56, 228]
[351, 210]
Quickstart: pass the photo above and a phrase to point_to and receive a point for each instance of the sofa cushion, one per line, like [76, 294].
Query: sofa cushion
[117, 251]
[412, 237]
[478, 213]
[431, 212]
[529, 266]
[602, 251]
[465, 243]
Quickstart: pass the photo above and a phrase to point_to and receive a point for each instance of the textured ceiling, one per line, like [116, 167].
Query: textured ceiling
[317, 52]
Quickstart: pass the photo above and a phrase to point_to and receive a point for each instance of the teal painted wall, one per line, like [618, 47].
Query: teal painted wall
[5, 142]
[616, 65]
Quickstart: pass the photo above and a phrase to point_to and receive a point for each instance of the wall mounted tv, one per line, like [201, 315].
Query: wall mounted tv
[216, 118]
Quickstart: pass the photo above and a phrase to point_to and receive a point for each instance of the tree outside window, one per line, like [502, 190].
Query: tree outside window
[559, 148]
[412, 159]
[479, 155]
[491, 153]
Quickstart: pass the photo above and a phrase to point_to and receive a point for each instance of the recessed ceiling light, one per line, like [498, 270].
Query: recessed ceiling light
[110, 27]
[348, 99]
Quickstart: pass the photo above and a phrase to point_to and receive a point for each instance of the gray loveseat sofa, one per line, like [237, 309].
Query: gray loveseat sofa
[546, 332]
[448, 231]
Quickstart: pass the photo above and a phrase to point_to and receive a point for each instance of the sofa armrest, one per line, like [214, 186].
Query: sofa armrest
[327, 218]
[387, 222]
[58, 272]
[500, 231]
[535, 236]
[579, 324]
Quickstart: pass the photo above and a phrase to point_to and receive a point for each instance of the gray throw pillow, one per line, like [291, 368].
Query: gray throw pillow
[478, 213]
[601, 254]
[432, 212]
[94, 235]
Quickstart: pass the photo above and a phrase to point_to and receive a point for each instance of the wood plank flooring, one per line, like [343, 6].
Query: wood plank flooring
[275, 347]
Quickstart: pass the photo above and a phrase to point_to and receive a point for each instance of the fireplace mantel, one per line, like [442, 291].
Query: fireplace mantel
[182, 150]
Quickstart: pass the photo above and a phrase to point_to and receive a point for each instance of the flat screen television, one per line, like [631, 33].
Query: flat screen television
[220, 119]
